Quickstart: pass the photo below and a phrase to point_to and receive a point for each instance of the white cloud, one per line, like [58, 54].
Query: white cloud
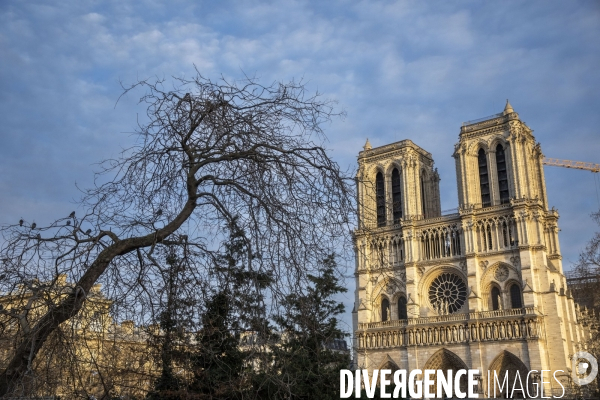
[400, 69]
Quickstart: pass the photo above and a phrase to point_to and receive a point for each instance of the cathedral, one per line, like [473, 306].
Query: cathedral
[482, 288]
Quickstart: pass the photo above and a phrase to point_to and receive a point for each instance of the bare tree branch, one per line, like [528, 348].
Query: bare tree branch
[210, 153]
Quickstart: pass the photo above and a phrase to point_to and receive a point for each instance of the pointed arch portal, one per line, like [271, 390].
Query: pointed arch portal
[507, 363]
[445, 360]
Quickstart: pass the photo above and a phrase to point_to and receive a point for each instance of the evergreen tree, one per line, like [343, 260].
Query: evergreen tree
[170, 340]
[218, 362]
[303, 362]
[221, 368]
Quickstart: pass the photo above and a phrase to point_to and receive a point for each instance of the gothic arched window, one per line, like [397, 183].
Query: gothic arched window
[402, 314]
[502, 174]
[484, 182]
[495, 298]
[515, 296]
[385, 309]
[396, 196]
[423, 208]
[380, 199]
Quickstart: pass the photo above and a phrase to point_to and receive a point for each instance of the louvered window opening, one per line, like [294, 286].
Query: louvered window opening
[484, 179]
[396, 196]
[502, 174]
[380, 199]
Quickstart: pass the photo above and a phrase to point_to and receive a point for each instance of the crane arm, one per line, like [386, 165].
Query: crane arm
[556, 162]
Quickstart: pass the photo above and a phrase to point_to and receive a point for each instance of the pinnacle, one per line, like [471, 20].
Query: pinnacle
[508, 108]
[367, 145]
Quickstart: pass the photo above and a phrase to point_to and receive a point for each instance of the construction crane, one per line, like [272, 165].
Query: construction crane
[556, 162]
[588, 166]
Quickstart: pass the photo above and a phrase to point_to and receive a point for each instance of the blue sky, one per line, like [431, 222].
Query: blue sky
[409, 69]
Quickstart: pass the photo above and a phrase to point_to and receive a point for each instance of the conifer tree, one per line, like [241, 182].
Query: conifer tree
[170, 339]
[304, 362]
[220, 366]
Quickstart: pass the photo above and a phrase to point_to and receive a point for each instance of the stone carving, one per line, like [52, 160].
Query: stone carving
[451, 333]
[463, 266]
[447, 293]
[483, 264]
[515, 260]
[390, 288]
[501, 273]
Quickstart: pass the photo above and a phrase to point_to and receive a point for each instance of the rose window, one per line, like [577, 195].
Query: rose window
[447, 293]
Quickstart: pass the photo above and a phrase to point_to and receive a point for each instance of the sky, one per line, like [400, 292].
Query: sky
[400, 70]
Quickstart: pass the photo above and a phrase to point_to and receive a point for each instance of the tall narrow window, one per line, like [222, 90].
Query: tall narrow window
[484, 182]
[495, 298]
[380, 198]
[396, 196]
[515, 296]
[423, 208]
[502, 174]
[505, 233]
[385, 309]
[402, 314]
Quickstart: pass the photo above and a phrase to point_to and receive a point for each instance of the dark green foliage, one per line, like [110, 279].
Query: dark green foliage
[218, 363]
[220, 367]
[171, 339]
[293, 364]
[305, 367]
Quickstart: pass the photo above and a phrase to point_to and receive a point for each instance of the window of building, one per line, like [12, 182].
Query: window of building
[505, 235]
[396, 250]
[396, 196]
[484, 179]
[495, 298]
[385, 309]
[502, 174]
[515, 296]
[380, 198]
[402, 313]
[447, 293]
[423, 199]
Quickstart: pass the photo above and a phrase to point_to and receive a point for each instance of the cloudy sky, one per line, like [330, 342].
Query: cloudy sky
[408, 69]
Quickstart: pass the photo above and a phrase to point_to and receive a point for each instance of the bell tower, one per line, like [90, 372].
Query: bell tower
[396, 182]
[498, 159]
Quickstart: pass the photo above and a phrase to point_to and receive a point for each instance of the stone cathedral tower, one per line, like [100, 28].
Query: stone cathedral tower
[482, 288]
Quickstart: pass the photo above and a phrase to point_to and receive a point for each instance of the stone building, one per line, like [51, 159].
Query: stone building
[482, 288]
[90, 356]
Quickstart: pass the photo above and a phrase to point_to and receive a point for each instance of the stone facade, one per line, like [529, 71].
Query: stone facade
[482, 288]
[91, 356]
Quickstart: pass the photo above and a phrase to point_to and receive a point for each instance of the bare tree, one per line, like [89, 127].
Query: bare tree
[584, 279]
[210, 153]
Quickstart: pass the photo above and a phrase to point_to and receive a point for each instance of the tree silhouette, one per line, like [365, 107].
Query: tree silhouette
[208, 154]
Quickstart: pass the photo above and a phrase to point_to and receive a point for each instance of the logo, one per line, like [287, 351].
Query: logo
[584, 368]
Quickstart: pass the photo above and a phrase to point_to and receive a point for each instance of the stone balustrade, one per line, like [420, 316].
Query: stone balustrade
[512, 324]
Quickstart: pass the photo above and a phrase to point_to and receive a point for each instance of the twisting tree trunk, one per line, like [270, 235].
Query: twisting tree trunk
[32, 342]
[210, 154]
